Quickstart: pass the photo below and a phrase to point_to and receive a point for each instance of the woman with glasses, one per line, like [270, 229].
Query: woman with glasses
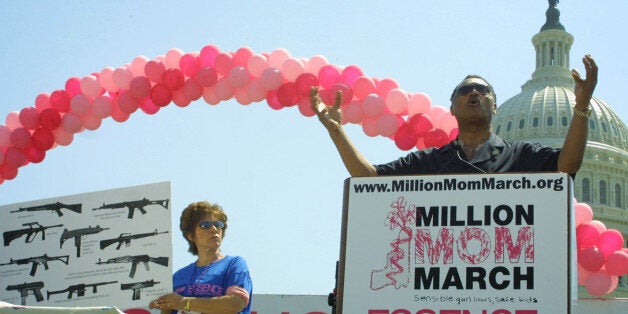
[215, 282]
[476, 149]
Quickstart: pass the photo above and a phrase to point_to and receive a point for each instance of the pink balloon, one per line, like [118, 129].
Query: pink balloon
[305, 82]
[34, 155]
[223, 63]
[148, 106]
[189, 64]
[582, 275]
[397, 101]
[90, 86]
[350, 74]
[600, 226]
[384, 86]
[271, 78]
[71, 122]
[347, 94]
[328, 76]
[60, 100]
[29, 118]
[287, 94]
[172, 58]
[277, 57]
[406, 137]
[192, 89]
[42, 101]
[242, 56]
[421, 124]
[63, 137]
[20, 138]
[154, 69]
[617, 263]
[50, 119]
[43, 139]
[241, 96]
[610, 241]
[292, 68]
[138, 65]
[14, 157]
[223, 89]
[352, 112]
[437, 112]
[173, 79]
[101, 107]
[305, 107]
[127, 103]
[106, 79]
[91, 122]
[122, 77]
[209, 95]
[315, 64]
[419, 103]
[238, 77]
[160, 95]
[586, 235]
[387, 124]
[80, 104]
[583, 213]
[447, 122]
[139, 87]
[73, 86]
[363, 86]
[272, 101]
[257, 64]
[207, 76]
[256, 90]
[436, 138]
[373, 105]
[13, 120]
[369, 126]
[117, 114]
[179, 99]
[599, 283]
[5, 137]
[591, 258]
[208, 55]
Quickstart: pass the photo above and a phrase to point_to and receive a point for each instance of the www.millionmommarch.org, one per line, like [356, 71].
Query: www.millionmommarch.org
[455, 184]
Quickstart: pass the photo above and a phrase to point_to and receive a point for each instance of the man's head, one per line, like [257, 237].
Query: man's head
[473, 98]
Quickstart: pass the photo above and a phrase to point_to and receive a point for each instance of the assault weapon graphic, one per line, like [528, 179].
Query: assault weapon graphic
[77, 234]
[31, 232]
[79, 289]
[44, 259]
[132, 205]
[163, 261]
[77, 208]
[126, 239]
[137, 286]
[25, 288]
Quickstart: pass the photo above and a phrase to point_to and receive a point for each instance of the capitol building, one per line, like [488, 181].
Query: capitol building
[541, 113]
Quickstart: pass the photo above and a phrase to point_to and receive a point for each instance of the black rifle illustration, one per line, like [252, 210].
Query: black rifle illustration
[31, 232]
[79, 289]
[25, 288]
[77, 208]
[137, 286]
[163, 261]
[126, 239]
[77, 234]
[44, 259]
[132, 205]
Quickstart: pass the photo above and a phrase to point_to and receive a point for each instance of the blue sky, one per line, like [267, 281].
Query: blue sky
[276, 173]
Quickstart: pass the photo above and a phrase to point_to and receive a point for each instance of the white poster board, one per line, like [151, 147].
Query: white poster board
[494, 243]
[110, 247]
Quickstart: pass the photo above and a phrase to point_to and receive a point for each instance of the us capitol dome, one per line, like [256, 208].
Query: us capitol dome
[541, 113]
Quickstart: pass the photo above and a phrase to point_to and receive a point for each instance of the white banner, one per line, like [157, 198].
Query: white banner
[456, 244]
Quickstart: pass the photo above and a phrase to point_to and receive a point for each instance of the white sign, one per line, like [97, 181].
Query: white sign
[490, 244]
[110, 247]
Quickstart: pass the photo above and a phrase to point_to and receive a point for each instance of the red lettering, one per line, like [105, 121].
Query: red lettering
[425, 311]
[379, 312]
[401, 312]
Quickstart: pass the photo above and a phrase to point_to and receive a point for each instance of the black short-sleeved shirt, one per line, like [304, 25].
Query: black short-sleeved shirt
[496, 155]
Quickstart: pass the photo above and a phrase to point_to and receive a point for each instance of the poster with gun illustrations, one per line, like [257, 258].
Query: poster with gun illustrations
[111, 247]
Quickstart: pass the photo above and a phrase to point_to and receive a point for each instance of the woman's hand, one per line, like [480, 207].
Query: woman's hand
[167, 301]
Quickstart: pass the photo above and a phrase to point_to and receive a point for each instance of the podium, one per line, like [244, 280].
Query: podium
[490, 244]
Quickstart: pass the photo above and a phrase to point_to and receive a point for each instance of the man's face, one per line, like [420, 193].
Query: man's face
[473, 100]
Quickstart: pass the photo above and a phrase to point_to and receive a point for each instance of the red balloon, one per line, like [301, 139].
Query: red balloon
[273, 102]
[161, 95]
[207, 76]
[617, 263]
[43, 139]
[50, 119]
[154, 70]
[421, 124]
[73, 86]
[14, 157]
[128, 103]
[20, 137]
[189, 64]
[139, 87]
[223, 63]
[586, 235]
[7, 171]
[347, 93]
[305, 82]
[287, 94]
[60, 100]
[208, 55]
[406, 137]
[34, 155]
[29, 117]
[350, 74]
[610, 241]
[436, 138]
[328, 75]
[173, 79]
[591, 259]
[192, 89]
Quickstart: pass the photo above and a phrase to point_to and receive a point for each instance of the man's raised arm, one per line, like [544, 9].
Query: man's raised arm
[572, 153]
[331, 118]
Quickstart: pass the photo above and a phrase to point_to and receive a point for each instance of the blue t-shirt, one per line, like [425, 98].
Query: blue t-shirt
[214, 279]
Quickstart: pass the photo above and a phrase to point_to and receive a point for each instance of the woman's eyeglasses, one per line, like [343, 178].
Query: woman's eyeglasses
[480, 88]
[208, 224]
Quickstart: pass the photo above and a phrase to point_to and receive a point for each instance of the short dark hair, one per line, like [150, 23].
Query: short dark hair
[453, 94]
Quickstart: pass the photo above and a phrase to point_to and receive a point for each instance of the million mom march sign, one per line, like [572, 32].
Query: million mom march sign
[447, 244]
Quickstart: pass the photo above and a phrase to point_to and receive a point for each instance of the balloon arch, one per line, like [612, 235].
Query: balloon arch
[378, 105]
